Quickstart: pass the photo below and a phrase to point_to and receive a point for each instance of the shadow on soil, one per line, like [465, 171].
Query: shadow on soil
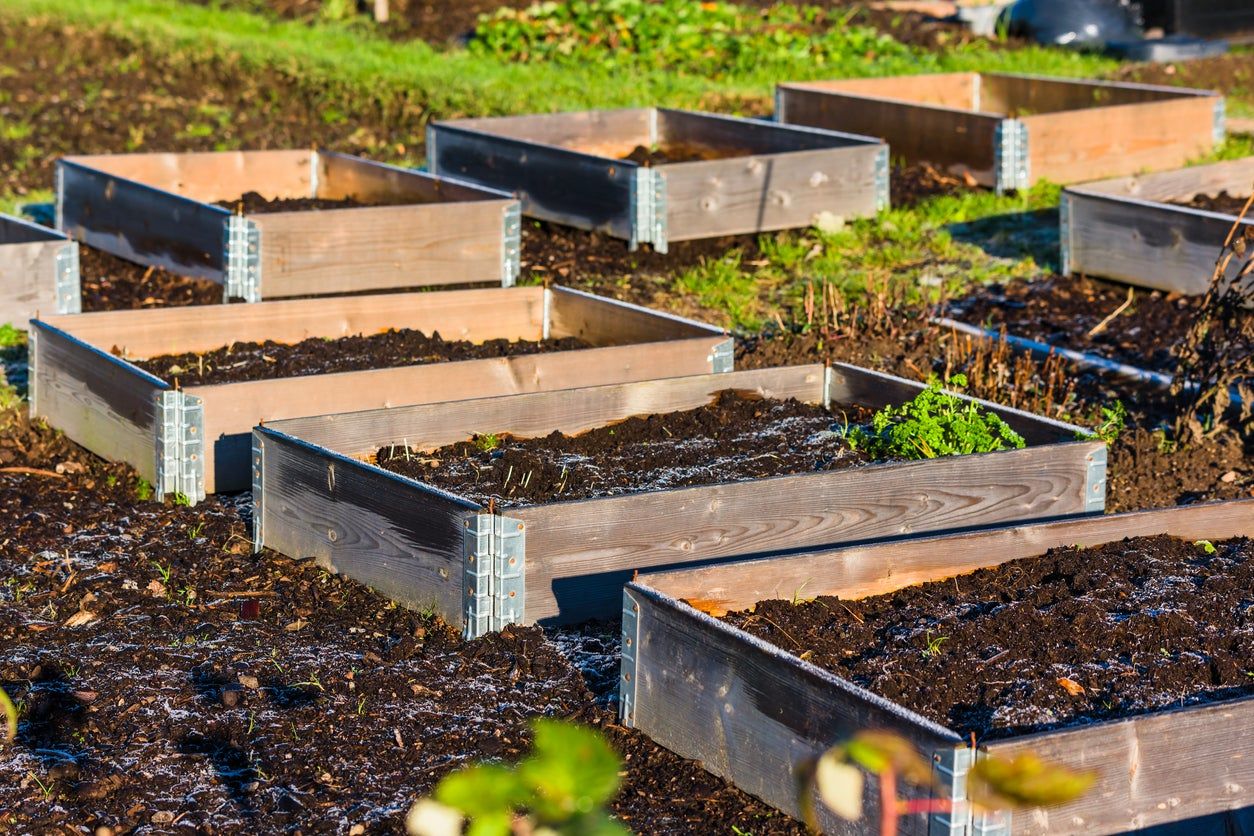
[1014, 236]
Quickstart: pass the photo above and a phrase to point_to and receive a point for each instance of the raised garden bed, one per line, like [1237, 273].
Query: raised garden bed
[553, 561]
[328, 223]
[1011, 131]
[654, 175]
[752, 711]
[38, 272]
[194, 439]
[1162, 230]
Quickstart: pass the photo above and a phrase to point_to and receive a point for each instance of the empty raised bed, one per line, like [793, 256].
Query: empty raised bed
[269, 224]
[1162, 230]
[654, 175]
[38, 272]
[751, 710]
[484, 561]
[1011, 131]
[291, 358]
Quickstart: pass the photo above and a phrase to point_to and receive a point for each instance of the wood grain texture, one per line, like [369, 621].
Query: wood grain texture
[1169, 766]
[745, 136]
[345, 176]
[210, 176]
[381, 247]
[752, 714]
[1016, 94]
[98, 401]
[954, 91]
[400, 539]
[28, 279]
[612, 133]
[1233, 176]
[768, 191]
[602, 321]
[863, 571]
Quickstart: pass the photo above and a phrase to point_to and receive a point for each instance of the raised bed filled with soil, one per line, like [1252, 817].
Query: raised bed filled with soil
[38, 272]
[537, 508]
[1162, 230]
[175, 392]
[1067, 639]
[654, 175]
[1011, 131]
[270, 224]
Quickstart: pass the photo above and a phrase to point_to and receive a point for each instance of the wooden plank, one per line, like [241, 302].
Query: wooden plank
[343, 176]
[957, 141]
[1232, 176]
[603, 321]
[746, 136]
[233, 409]
[343, 250]
[607, 133]
[210, 176]
[477, 314]
[28, 279]
[765, 192]
[101, 402]
[580, 553]
[396, 537]
[750, 713]
[863, 571]
[1073, 146]
[1022, 95]
[15, 230]
[954, 91]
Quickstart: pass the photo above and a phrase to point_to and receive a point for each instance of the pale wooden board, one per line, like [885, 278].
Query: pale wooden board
[211, 176]
[100, 402]
[344, 176]
[379, 247]
[364, 523]
[1157, 768]
[862, 571]
[745, 137]
[232, 409]
[1232, 176]
[579, 553]
[476, 314]
[768, 191]
[1073, 146]
[28, 280]
[611, 133]
[1010, 93]
[956, 91]
[750, 713]
[602, 321]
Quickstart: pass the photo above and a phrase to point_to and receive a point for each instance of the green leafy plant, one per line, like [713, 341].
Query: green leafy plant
[936, 423]
[10, 716]
[487, 442]
[1114, 418]
[560, 788]
[1206, 546]
[180, 498]
[933, 645]
[143, 489]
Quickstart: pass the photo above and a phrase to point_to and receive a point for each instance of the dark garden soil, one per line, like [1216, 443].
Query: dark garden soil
[1065, 312]
[1071, 637]
[168, 677]
[252, 203]
[111, 283]
[1230, 74]
[737, 437]
[1224, 203]
[681, 152]
[394, 347]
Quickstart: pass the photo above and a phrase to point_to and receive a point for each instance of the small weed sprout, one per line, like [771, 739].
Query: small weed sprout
[180, 498]
[10, 716]
[933, 645]
[1206, 546]
[1114, 419]
[164, 571]
[487, 442]
[143, 489]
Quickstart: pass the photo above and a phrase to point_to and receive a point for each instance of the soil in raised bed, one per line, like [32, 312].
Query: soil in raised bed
[1064, 311]
[681, 152]
[253, 203]
[1224, 203]
[1074, 636]
[394, 347]
[110, 283]
[737, 437]
[168, 678]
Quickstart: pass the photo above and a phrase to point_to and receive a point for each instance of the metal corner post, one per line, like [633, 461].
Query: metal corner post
[180, 446]
[1221, 120]
[32, 371]
[723, 358]
[493, 573]
[628, 657]
[259, 470]
[511, 245]
[1011, 166]
[433, 162]
[1064, 234]
[1095, 481]
[649, 209]
[882, 179]
[242, 241]
[59, 196]
[69, 287]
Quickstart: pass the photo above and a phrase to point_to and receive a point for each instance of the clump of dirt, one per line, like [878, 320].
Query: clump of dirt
[681, 152]
[1148, 469]
[1074, 636]
[737, 437]
[911, 184]
[110, 283]
[394, 347]
[253, 203]
[1223, 203]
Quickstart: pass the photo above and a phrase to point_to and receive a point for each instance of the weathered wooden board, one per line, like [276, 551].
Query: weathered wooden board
[633, 349]
[579, 553]
[570, 168]
[38, 272]
[1126, 228]
[704, 689]
[159, 209]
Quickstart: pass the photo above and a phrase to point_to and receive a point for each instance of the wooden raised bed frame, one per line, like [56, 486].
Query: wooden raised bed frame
[195, 440]
[158, 209]
[752, 712]
[970, 123]
[1124, 229]
[566, 168]
[566, 561]
[38, 272]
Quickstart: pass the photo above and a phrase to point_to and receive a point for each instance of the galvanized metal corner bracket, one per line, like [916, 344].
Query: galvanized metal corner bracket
[511, 245]
[242, 242]
[32, 370]
[882, 193]
[778, 115]
[628, 658]
[259, 469]
[180, 446]
[1220, 126]
[493, 572]
[950, 768]
[58, 186]
[1064, 234]
[1095, 481]
[723, 357]
[68, 286]
[1010, 157]
[648, 209]
[432, 161]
